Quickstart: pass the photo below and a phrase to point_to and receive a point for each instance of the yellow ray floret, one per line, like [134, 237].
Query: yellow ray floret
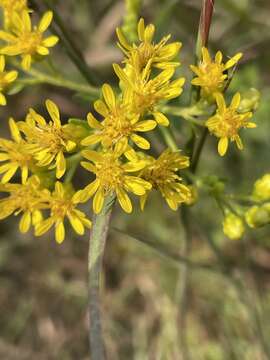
[119, 124]
[6, 78]
[15, 155]
[47, 141]
[146, 52]
[28, 199]
[211, 74]
[227, 122]
[162, 173]
[144, 93]
[27, 41]
[10, 7]
[112, 177]
[62, 205]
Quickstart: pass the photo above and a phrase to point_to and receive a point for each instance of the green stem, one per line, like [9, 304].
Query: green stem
[72, 163]
[184, 112]
[168, 138]
[97, 242]
[42, 78]
[197, 152]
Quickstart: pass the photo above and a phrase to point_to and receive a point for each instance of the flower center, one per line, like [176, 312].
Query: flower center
[109, 172]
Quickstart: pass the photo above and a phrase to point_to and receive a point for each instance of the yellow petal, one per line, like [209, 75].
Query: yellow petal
[11, 76]
[141, 29]
[233, 61]
[76, 224]
[98, 201]
[3, 100]
[161, 119]
[2, 63]
[236, 101]
[25, 222]
[26, 62]
[140, 142]
[42, 50]
[43, 226]
[93, 123]
[50, 41]
[109, 96]
[220, 102]
[239, 142]
[60, 232]
[45, 21]
[15, 133]
[146, 125]
[60, 165]
[223, 146]
[124, 200]
[54, 112]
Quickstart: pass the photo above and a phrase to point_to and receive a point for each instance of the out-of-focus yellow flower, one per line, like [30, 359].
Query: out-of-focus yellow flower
[162, 173]
[227, 122]
[10, 7]
[112, 177]
[261, 190]
[143, 93]
[258, 216]
[211, 74]
[6, 78]
[47, 141]
[193, 195]
[26, 41]
[15, 155]
[233, 226]
[28, 198]
[119, 124]
[159, 55]
[61, 204]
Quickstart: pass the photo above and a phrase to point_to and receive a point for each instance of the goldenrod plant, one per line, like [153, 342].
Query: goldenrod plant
[114, 141]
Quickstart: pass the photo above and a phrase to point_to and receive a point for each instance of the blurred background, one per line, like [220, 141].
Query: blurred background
[43, 292]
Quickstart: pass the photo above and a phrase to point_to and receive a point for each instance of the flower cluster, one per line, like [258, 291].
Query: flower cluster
[20, 38]
[45, 150]
[124, 114]
[114, 143]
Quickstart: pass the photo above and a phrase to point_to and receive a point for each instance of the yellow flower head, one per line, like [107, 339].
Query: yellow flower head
[15, 155]
[10, 7]
[119, 124]
[162, 173]
[144, 93]
[6, 78]
[233, 226]
[61, 204]
[28, 198]
[159, 55]
[258, 216]
[261, 189]
[26, 41]
[47, 141]
[112, 177]
[211, 74]
[227, 122]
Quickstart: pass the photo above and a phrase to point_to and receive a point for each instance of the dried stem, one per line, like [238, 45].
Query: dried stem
[97, 244]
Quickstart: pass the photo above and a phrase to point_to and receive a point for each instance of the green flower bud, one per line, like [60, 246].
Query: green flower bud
[194, 195]
[233, 226]
[257, 216]
[250, 101]
[261, 190]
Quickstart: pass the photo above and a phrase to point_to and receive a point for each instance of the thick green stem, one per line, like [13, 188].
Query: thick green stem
[97, 244]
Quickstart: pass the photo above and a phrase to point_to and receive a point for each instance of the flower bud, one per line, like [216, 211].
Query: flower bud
[233, 226]
[261, 190]
[250, 101]
[257, 216]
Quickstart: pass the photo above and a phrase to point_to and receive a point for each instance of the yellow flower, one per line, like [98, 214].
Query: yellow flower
[227, 122]
[233, 226]
[15, 155]
[10, 7]
[28, 198]
[61, 204]
[159, 55]
[144, 93]
[47, 141]
[258, 216]
[211, 74]
[162, 173]
[112, 177]
[26, 41]
[119, 124]
[6, 78]
[261, 189]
